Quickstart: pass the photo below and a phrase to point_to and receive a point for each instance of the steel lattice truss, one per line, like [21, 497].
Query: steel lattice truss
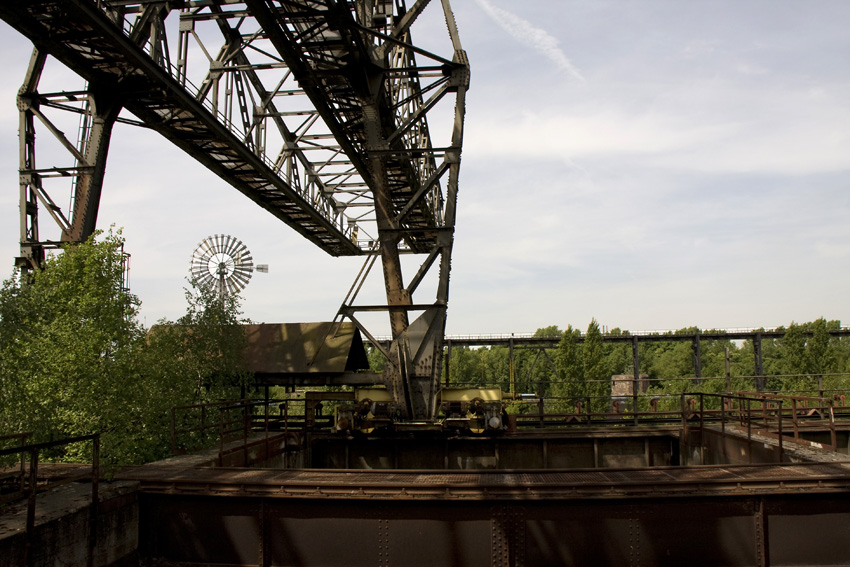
[317, 110]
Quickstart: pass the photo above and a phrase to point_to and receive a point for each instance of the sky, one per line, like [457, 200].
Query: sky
[651, 164]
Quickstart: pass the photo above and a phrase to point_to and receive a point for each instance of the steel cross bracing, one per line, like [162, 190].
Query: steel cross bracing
[317, 110]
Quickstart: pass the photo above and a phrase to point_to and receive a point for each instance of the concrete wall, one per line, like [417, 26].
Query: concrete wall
[63, 526]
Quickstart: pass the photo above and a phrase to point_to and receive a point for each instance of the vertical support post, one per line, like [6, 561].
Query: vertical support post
[794, 422]
[261, 529]
[104, 112]
[728, 372]
[23, 480]
[832, 436]
[266, 419]
[174, 433]
[781, 447]
[697, 359]
[448, 362]
[220, 435]
[32, 251]
[759, 363]
[33, 489]
[761, 528]
[511, 367]
[246, 425]
[95, 499]
[636, 379]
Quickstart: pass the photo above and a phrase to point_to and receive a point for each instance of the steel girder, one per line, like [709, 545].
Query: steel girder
[315, 109]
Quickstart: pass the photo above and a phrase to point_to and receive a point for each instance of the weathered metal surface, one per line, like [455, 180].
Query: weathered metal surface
[279, 350]
[121, 49]
[578, 484]
[782, 514]
[743, 528]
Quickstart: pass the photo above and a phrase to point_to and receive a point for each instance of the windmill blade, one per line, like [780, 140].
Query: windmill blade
[227, 245]
[222, 252]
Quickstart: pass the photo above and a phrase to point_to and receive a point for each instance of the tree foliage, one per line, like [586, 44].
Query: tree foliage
[67, 346]
[74, 359]
[806, 360]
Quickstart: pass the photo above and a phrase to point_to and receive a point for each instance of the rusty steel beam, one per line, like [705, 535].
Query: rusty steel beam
[708, 516]
[317, 110]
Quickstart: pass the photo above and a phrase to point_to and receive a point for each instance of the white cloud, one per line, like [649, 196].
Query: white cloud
[527, 34]
[720, 128]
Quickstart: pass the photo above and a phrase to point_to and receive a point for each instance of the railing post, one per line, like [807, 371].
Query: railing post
[173, 432]
[220, 435]
[781, 449]
[246, 420]
[95, 497]
[23, 462]
[749, 421]
[266, 417]
[794, 422]
[30, 526]
[246, 424]
[832, 436]
[701, 430]
[764, 406]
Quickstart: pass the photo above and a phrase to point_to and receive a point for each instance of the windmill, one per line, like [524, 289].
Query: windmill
[223, 263]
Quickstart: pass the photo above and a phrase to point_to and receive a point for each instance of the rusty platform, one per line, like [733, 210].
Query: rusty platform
[581, 484]
[784, 514]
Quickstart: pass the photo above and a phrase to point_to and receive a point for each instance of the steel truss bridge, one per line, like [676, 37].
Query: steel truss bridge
[317, 110]
[755, 336]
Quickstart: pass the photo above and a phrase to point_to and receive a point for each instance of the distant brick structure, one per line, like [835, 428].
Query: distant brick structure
[621, 385]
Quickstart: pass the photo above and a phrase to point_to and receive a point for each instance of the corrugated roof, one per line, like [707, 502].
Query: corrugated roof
[304, 348]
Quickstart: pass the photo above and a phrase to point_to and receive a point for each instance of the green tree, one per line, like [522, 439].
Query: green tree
[571, 386]
[819, 357]
[68, 337]
[593, 361]
[203, 347]
[74, 360]
[793, 359]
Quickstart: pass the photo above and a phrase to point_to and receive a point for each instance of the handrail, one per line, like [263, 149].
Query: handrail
[32, 490]
[776, 410]
[225, 426]
[23, 438]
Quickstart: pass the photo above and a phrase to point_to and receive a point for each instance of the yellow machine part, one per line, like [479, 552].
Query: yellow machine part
[446, 395]
[469, 394]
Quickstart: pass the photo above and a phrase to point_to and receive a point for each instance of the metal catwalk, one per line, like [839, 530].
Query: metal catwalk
[317, 110]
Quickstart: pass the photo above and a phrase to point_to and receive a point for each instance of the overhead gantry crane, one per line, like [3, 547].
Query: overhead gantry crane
[317, 110]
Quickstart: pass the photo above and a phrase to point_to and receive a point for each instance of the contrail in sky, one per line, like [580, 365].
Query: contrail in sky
[537, 38]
